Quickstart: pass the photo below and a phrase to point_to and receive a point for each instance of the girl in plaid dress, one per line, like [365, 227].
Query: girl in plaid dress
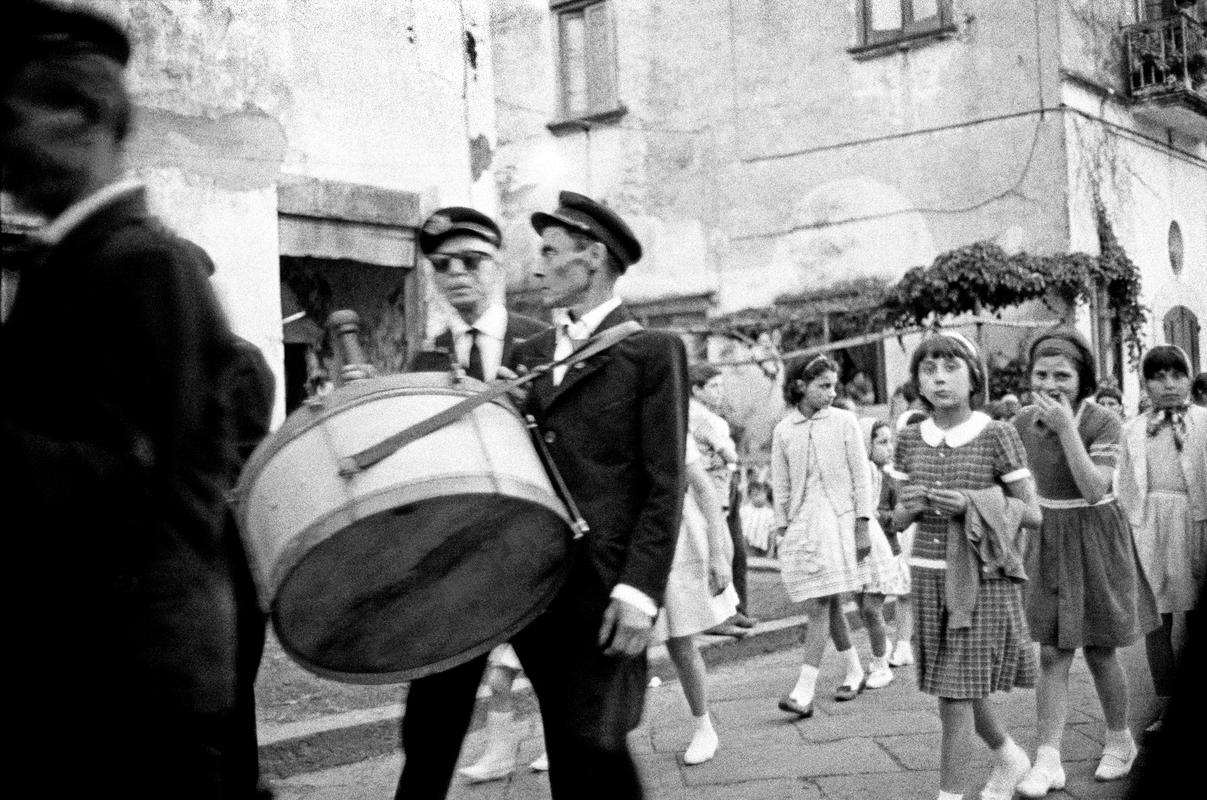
[970, 628]
[822, 504]
[1085, 590]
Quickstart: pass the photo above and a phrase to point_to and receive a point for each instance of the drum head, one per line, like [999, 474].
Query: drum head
[421, 588]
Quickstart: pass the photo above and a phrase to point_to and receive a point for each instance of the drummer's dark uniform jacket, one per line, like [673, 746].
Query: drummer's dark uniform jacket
[114, 449]
[519, 329]
[615, 427]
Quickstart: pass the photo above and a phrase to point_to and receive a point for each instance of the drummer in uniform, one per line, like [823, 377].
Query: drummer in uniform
[462, 246]
[615, 425]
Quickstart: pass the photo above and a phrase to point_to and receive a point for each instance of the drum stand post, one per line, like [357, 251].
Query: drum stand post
[580, 525]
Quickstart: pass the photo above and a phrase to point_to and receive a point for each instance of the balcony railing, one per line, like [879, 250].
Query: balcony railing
[1167, 56]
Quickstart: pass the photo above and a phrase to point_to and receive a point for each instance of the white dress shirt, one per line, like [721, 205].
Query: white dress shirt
[492, 328]
[571, 334]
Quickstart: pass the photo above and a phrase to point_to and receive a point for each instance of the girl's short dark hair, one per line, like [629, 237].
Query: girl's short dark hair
[804, 369]
[940, 345]
[1058, 342]
[1163, 357]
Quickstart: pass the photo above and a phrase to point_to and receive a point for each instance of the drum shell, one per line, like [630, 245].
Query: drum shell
[463, 520]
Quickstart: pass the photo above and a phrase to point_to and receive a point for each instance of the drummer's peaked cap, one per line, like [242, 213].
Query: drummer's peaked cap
[580, 213]
[35, 29]
[454, 221]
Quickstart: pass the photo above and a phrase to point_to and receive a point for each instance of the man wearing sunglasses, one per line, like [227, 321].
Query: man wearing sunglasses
[461, 245]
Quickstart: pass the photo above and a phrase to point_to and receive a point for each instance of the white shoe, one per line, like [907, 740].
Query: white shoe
[488, 768]
[902, 656]
[1114, 765]
[702, 748]
[541, 764]
[879, 674]
[1040, 780]
[1006, 774]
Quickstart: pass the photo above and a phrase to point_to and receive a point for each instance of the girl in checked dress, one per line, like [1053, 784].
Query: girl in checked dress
[822, 505]
[964, 480]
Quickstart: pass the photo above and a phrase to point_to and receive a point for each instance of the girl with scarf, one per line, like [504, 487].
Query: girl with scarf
[1162, 486]
[1084, 590]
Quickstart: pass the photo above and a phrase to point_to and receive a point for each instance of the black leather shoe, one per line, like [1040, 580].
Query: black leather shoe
[793, 707]
[845, 692]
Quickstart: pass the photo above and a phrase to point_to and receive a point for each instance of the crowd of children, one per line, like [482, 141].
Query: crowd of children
[1053, 521]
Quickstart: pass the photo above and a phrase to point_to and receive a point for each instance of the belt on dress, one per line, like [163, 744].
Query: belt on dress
[928, 563]
[1075, 502]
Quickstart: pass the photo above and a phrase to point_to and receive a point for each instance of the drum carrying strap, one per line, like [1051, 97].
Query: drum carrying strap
[385, 448]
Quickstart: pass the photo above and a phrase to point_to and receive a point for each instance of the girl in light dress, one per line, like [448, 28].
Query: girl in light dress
[823, 505]
[699, 596]
[1162, 486]
[963, 479]
[1084, 589]
[879, 437]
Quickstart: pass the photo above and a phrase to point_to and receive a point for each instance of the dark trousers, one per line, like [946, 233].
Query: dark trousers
[589, 702]
[439, 709]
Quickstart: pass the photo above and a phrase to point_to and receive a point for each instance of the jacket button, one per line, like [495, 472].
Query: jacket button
[550, 437]
[580, 365]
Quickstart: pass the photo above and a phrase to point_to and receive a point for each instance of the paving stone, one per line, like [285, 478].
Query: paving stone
[848, 757]
[897, 786]
[675, 739]
[871, 723]
[781, 789]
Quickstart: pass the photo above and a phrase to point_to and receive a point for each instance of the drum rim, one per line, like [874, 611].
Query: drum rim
[312, 414]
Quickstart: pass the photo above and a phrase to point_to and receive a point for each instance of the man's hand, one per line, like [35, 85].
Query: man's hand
[626, 630]
[519, 395]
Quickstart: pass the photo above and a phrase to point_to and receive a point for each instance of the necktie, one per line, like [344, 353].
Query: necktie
[475, 369]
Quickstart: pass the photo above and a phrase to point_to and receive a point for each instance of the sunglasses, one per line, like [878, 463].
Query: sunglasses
[470, 260]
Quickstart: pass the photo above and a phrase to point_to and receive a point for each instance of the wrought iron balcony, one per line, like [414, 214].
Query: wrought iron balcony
[1167, 72]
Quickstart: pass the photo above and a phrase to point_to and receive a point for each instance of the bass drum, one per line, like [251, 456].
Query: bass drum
[423, 561]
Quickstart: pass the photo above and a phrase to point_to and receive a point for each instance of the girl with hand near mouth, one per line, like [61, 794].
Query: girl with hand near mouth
[1162, 486]
[964, 480]
[1085, 589]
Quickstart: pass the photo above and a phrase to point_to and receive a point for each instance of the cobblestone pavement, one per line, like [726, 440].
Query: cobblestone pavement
[882, 746]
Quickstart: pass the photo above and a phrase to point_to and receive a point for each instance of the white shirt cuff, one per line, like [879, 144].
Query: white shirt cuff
[636, 598]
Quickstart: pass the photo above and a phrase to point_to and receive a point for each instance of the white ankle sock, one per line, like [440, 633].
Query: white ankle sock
[1120, 742]
[703, 722]
[950, 795]
[1047, 757]
[806, 685]
[878, 662]
[854, 675]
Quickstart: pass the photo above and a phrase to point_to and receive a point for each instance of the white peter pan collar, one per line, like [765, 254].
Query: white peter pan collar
[957, 436]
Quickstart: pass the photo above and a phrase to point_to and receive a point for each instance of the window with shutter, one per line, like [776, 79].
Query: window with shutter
[586, 59]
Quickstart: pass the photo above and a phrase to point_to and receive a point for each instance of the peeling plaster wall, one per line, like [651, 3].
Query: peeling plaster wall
[1147, 176]
[745, 135]
[235, 97]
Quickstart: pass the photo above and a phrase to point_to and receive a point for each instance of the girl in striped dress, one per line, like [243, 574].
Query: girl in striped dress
[822, 504]
[1085, 588]
[961, 473]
